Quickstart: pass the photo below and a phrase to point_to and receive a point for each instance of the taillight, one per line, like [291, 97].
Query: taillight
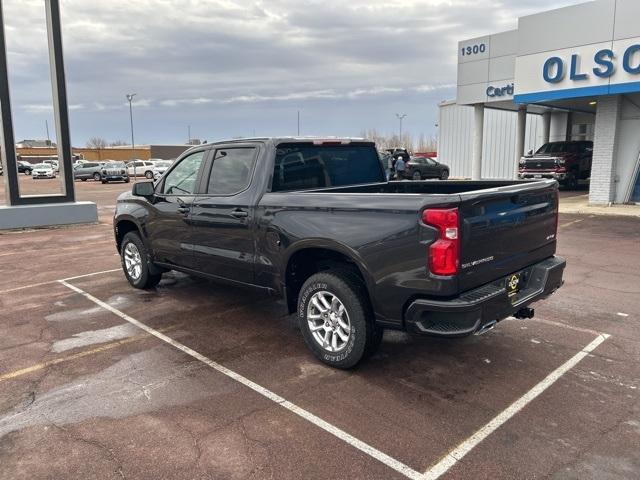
[444, 253]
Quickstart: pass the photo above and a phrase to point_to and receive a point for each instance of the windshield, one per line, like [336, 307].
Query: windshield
[300, 166]
[554, 147]
[42, 165]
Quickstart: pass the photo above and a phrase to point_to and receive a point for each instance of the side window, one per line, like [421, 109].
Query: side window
[231, 170]
[182, 179]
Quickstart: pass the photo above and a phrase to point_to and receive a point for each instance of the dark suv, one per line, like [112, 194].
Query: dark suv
[567, 162]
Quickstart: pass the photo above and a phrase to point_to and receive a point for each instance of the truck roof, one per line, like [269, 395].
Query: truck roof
[293, 139]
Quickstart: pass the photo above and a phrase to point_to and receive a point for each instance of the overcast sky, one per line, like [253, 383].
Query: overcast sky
[242, 67]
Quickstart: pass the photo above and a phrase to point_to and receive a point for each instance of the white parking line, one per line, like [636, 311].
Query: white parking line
[34, 285]
[470, 443]
[274, 397]
[434, 472]
[90, 274]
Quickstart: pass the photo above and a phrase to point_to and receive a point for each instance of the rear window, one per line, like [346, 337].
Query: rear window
[300, 166]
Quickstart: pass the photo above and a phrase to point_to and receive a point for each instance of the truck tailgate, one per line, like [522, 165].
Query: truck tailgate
[504, 229]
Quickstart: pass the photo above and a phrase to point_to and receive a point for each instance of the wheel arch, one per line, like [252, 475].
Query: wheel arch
[313, 256]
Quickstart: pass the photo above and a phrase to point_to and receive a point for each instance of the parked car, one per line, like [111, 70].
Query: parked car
[567, 162]
[419, 168]
[43, 170]
[316, 222]
[88, 170]
[114, 172]
[160, 167]
[140, 168]
[54, 164]
[25, 167]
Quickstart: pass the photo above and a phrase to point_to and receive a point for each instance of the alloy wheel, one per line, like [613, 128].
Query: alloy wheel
[328, 321]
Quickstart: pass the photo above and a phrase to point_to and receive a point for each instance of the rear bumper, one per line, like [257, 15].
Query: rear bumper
[114, 178]
[474, 310]
[536, 175]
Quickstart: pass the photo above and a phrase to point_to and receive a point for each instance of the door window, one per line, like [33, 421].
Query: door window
[231, 171]
[182, 179]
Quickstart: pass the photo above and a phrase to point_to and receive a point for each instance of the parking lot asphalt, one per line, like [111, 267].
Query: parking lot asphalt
[198, 380]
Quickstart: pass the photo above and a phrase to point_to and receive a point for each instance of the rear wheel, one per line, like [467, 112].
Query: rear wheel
[444, 175]
[336, 319]
[126, 180]
[135, 262]
[416, 175]
[148, 174]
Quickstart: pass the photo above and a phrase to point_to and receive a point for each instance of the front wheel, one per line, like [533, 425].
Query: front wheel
[148, 175]
[336, 319]
[27, 172]
[135, 262]
[417, 176]
[97, 177]
[444, 175]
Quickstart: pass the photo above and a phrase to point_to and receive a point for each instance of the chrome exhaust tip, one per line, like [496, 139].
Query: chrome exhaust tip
[486, 327]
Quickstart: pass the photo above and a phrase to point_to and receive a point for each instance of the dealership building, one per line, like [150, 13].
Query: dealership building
[566, 74]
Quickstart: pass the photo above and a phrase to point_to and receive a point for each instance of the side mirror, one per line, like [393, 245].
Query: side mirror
[530, 152]
[143, 189]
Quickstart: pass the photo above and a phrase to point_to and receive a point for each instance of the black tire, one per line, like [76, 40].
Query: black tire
[571, 181]
[364, 336]
[148, 174]
[444, 175]
[83, 179]
[104, 181]
[145, 279]
[126, 180]
[97, 177]
[416, 175]
[27, 172]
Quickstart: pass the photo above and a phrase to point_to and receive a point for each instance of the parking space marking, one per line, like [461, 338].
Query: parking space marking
[67, 358]
[454, 456]
[565, 325]
[274, 397]
[34, 285]
[572, 222]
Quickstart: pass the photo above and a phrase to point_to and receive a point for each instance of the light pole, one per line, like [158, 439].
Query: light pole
[400, 117]
[133, 146]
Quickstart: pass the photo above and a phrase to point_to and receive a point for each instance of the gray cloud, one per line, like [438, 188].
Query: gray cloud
[229, 67]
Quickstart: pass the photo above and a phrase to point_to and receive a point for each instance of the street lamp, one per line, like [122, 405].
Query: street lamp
[133, 147]
[400, 117]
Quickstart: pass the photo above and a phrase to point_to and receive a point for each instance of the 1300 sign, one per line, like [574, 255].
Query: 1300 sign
[473, 49]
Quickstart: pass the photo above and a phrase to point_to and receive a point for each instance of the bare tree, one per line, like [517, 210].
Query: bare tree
[384, 141]
[118, 143]
[97, 142]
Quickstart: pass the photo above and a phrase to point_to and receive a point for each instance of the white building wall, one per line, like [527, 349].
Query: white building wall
[628, 151]
[455, 140]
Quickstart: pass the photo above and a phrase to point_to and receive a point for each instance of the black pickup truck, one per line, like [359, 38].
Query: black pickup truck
[316, 222]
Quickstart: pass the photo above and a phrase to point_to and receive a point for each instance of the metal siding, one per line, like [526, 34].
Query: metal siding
[455, 142]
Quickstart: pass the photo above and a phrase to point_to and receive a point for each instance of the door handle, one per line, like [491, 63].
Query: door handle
[183, 210]
[237, 213]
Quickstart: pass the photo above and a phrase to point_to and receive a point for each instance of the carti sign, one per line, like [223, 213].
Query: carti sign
[591, 70]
